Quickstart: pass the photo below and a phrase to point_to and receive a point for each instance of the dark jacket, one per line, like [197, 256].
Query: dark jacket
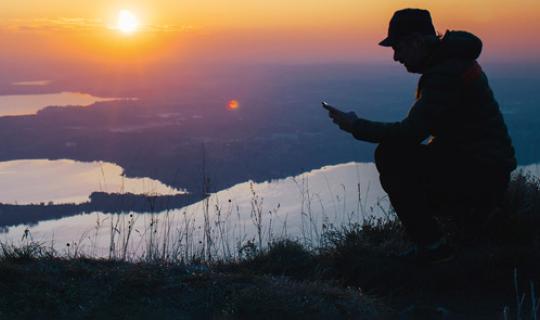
[455, 106]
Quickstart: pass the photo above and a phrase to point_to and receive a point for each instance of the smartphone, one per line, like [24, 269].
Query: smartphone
[329, 107]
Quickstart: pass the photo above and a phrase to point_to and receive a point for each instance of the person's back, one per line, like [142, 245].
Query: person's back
[469, 120]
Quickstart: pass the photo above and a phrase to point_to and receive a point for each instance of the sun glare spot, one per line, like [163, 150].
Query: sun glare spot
[233, 105]
[127, 22]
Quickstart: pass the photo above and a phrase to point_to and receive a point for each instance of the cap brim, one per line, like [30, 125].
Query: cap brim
[388, 42]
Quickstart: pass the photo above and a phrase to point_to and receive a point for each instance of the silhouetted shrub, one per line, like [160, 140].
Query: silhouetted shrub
[284, 257]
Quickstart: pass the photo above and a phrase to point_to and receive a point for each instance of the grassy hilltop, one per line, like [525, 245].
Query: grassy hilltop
[354, 274]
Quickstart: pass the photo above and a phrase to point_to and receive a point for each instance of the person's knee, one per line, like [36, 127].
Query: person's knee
[389, 156]
[386, 155]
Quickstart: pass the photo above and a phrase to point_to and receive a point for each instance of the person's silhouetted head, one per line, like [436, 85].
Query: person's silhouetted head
[411, 34]
[407, 22]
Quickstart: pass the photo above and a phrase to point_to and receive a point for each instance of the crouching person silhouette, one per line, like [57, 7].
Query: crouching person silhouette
[467, 162]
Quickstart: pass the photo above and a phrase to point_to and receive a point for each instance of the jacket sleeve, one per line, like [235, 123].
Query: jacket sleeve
[436, 95]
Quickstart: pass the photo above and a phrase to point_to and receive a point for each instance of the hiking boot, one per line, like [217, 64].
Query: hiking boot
[415, 312]
[437, 252]
[409, 253]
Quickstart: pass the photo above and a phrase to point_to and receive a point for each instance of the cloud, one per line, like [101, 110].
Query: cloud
[170, 28]
[78, 24]
[57, 24]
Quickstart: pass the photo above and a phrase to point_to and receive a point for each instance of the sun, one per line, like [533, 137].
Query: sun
[127, 22]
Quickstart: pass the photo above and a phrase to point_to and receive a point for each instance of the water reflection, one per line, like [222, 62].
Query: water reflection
[38, 83]
[300, 207]
[26, 104]
[69, 181]
[531, 170]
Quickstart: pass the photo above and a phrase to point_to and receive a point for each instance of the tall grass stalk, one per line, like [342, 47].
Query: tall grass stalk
[520, 301]
[256, 214]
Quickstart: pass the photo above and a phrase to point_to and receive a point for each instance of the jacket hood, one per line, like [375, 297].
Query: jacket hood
[460, 45]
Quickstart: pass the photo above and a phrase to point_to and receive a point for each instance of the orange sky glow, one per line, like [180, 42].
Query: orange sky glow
[304, 31]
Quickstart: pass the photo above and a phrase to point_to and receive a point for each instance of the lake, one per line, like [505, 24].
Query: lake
[27, 104]
[69, 181]
[300, 207]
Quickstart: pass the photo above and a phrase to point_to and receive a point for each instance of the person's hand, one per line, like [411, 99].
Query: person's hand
[345, 120]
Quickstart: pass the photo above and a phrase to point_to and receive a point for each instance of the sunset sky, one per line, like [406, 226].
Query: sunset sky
[303, 31]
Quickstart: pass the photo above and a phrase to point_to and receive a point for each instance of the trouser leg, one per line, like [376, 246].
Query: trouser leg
[401, 174]
[482, 195]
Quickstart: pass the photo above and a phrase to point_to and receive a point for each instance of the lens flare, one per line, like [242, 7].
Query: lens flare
[233, 105]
